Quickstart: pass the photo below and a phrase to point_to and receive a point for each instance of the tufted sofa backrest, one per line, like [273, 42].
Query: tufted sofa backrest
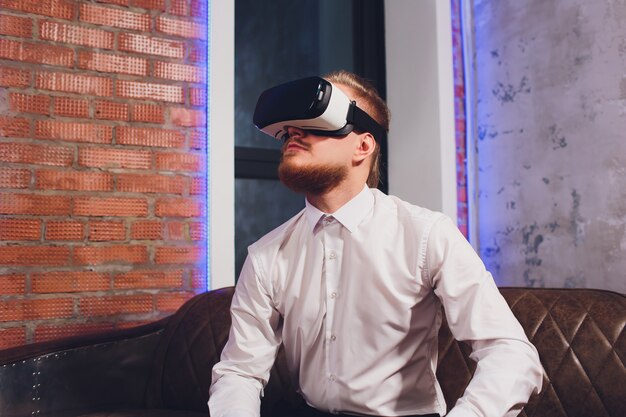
[579, 334]
[581, 340]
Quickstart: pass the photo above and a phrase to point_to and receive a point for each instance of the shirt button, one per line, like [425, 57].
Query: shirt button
[332, 255]
[333, 337]
[333, 295]
[332, 377]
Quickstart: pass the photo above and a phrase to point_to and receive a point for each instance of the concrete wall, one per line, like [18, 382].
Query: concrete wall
[551, 141]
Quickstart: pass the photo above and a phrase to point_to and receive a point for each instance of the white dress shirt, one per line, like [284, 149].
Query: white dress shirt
[355, 297]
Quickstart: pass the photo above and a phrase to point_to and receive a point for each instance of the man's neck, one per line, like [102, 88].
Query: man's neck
[332, 200]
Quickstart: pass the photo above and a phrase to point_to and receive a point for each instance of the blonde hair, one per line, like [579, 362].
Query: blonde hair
[367, 98]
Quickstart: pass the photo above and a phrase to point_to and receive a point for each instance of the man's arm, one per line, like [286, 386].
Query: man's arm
[508, 369]
[244, 367]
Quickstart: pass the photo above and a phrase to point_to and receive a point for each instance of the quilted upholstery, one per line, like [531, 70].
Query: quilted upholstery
[581, 341]
[190, 345]
[579, 334]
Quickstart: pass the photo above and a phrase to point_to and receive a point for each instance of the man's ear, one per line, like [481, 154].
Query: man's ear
[366, 145]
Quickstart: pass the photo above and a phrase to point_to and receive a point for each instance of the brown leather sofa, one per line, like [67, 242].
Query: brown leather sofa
[163, 369]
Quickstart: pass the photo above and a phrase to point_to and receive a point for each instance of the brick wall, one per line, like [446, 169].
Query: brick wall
[459, 115]
[102, 155]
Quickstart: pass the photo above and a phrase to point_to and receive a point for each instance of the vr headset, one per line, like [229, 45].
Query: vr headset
[312, 104]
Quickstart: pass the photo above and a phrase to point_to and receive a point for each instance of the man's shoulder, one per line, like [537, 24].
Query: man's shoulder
[405, 210]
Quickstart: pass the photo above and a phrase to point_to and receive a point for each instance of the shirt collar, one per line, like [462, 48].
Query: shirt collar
[349, 215]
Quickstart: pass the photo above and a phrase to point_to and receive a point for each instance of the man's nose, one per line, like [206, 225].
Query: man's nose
[293, 131]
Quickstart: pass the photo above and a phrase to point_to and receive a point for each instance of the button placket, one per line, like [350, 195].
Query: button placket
[333, 250]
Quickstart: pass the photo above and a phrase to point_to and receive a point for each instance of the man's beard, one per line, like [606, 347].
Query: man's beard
[313, 179]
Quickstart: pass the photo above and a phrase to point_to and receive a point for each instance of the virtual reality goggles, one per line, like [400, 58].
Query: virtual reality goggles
[312, 104]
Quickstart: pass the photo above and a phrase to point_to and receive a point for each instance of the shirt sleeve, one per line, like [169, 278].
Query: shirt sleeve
[508, 369]
[255, 335]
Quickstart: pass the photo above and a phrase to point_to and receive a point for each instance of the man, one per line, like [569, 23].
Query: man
[352, 287]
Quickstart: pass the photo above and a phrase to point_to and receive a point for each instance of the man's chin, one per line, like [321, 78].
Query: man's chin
[307, 178]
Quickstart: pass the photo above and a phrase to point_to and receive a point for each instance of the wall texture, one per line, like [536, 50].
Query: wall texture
[102, 155]
[551, 141]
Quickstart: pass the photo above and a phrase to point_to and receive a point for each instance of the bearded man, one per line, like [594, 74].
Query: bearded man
[353, 285]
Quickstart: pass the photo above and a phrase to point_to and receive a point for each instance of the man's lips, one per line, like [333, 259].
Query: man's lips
[294, 146]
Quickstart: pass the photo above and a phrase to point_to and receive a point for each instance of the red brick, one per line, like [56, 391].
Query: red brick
[117, 254]
[461, 193]
[73, 132]
[73, 180]
[178, 254]
[172, 301]
[149, 113]
[198, 139]
[51, 332]
[149, 279]
[149, 137]
[34, 255]
[71, 107]
[65, 230]
[114, 305]
[112, 63]
[111, 110]
[107, 16]
[114, 158]
[110, 207]
[178, 207]
[36, 154]
[73, 83]
[62, 9]
[38, 205]
[116, 2]
[178, 72]
[197, 231]
[176, 230]
[27, 103]
[147, 230]
[149, 91]
[197, 96]
[198, 186]
[151, 183]
[21, 27]
[12, 336]
[142, 44]
[14, 127]
[36, 53]
[12, 284]
[188, 162]
[183, 117]
[179, 7]
[198, 8]
[198, 278]
[20, 229]
[77, 35]
[149, 4]
[14, 77]
[14, 178]
[181, 28]
[198, 52]
[107, 231]
[69, 281]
